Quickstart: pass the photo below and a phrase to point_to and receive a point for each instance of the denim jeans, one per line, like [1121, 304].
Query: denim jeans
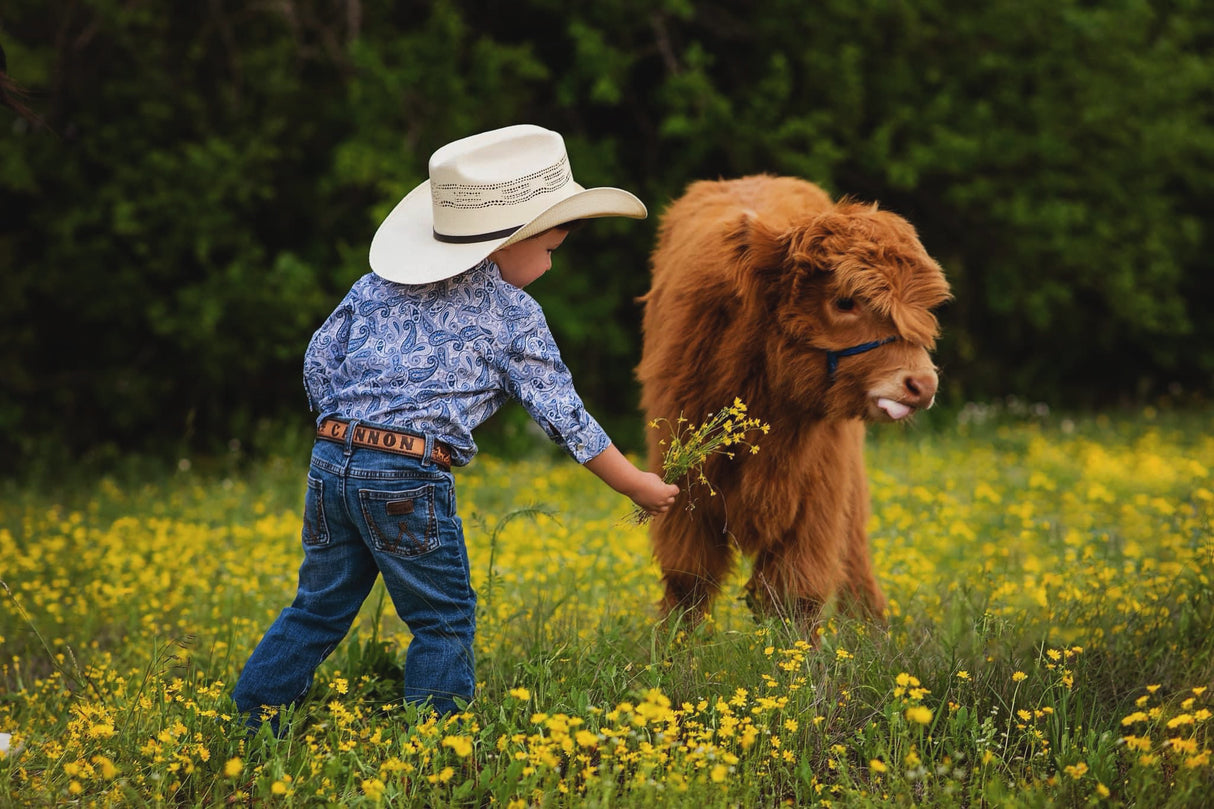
[368, 512]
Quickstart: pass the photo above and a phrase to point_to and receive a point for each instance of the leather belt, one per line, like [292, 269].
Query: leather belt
[385, 440]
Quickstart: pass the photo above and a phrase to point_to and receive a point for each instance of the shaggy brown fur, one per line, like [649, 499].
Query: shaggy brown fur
[754, 280]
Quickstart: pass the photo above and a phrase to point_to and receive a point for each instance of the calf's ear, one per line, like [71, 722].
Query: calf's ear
[764, 245]
[759, 254]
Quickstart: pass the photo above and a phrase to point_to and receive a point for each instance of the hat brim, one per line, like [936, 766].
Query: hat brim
[405, 251]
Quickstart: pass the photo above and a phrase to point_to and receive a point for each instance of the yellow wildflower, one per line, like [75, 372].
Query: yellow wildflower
[462, 745]
[106, 767]
[442, 777]
[1140, 743]
[1188, 746]
[1198, 761]
[1076, 771]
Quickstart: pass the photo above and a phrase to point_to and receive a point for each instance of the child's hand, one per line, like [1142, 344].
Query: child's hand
[653, 495]
[646, 489]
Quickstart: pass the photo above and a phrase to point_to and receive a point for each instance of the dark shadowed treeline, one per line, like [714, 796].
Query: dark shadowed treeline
[205, 179]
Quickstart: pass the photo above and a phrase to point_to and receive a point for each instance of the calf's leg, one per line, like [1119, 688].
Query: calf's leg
[860, 595]
[694, 562]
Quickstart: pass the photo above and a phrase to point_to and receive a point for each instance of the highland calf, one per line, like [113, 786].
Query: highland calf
[818, 316]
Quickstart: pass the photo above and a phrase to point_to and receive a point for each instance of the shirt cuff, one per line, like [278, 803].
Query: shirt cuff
[586, 442]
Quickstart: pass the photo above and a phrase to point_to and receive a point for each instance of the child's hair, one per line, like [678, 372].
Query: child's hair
[571, 226]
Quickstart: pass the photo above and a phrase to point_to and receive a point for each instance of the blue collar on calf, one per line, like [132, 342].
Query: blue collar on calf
[832, 357]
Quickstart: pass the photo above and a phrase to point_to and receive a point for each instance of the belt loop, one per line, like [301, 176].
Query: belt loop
[351, 426]
[428, 453]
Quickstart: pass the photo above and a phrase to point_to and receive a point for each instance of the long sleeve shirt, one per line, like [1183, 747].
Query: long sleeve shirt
[441, 358]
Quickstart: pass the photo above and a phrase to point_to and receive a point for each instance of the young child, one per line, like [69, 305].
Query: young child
[421, 351]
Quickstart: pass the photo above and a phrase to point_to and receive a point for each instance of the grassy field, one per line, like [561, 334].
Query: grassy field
[1050, 642]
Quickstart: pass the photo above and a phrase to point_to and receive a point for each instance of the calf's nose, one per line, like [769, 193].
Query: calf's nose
[920, 388]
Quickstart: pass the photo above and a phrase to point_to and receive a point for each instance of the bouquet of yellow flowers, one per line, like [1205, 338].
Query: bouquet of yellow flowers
[689, 447]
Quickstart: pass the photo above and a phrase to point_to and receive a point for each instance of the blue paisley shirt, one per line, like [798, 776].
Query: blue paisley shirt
[441, 358]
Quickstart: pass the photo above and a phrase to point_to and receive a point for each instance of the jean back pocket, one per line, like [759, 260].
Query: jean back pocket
[401, 522]
[315, 527]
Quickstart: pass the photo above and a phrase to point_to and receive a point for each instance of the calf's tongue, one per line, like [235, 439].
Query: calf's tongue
[895, 410]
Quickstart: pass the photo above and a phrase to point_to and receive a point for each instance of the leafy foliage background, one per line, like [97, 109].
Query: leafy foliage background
[209, 175]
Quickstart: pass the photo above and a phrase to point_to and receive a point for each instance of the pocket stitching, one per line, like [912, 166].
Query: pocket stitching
[410, 550]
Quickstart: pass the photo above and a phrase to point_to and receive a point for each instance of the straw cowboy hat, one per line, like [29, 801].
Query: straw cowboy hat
[487, 191]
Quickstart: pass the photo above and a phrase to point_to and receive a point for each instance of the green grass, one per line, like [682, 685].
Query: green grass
[1050, 641]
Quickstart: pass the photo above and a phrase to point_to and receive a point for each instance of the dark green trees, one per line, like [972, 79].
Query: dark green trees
[210, 174]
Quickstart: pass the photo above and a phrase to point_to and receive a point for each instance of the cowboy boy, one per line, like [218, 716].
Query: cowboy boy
[420, 352]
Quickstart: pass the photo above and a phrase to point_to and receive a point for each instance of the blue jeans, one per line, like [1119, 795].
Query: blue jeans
[366, 513]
